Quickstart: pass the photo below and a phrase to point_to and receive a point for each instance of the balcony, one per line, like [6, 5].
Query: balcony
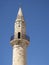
[26, 37]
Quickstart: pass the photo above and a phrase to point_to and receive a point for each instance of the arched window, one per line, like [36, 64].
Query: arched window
[18, 34]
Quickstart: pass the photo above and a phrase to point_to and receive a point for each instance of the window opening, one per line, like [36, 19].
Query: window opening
[18, 34]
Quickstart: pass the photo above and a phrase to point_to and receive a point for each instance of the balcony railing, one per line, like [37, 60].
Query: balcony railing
[23, 37]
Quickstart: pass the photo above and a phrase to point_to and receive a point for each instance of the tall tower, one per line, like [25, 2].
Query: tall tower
[19, 41]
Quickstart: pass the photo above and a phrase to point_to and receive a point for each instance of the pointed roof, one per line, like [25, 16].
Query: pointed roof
[20, 15]
[20, 12]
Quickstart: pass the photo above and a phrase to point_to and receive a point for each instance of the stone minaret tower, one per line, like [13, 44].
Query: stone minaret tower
[19, 41]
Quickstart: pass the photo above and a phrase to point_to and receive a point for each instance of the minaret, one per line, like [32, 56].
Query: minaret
[19, 41]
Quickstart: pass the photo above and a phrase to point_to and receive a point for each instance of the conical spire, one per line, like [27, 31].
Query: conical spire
[20, 12]
[20, 15]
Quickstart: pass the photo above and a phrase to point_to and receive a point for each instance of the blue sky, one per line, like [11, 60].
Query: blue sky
[36, 15]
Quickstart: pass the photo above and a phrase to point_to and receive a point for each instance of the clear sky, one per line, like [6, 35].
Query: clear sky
[36, 15]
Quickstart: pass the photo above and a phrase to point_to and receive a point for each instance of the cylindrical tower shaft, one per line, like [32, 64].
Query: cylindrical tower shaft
[19, 55]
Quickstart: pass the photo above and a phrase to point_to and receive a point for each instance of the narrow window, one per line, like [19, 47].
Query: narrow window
[18, 34]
